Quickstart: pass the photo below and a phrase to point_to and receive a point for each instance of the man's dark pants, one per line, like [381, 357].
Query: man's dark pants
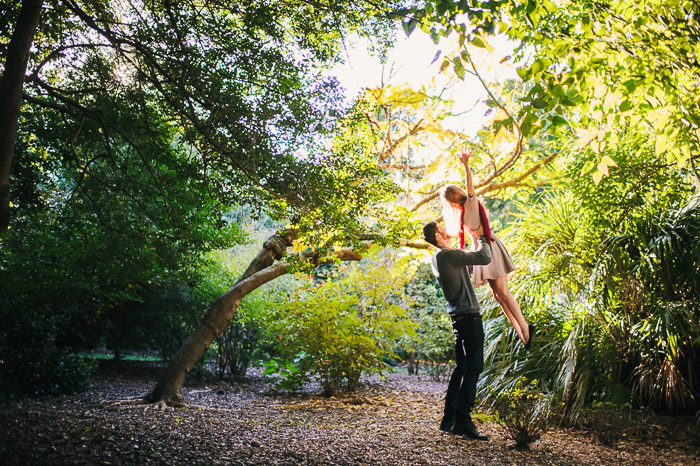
[469, 356]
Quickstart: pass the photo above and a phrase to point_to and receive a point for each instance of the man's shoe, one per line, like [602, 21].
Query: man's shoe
[446, 425]
[531, 331]
[468, 430]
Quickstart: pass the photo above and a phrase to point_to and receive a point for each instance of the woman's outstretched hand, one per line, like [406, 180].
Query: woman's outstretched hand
[464, 153]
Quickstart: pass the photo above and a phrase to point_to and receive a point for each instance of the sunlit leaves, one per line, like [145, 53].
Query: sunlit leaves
[409, 26]
[458, 67]
[629, 61]
[410, 140]
[240, 87]
[614, 86]
[345, 323]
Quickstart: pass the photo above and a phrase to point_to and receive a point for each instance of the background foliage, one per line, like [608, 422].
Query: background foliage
[344, 323]
[145, 127]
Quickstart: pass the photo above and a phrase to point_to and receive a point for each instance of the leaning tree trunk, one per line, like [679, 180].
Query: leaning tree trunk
[11, 86]
[214, 323]
[260, 271]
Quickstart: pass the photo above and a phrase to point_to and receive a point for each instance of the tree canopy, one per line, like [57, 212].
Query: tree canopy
[600, 70]
[608, 87]
[238, 90]
[148, 134]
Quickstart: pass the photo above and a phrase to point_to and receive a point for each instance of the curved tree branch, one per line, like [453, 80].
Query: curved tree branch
[518, 180]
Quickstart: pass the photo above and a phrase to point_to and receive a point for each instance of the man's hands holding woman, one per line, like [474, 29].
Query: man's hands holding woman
[476, 233]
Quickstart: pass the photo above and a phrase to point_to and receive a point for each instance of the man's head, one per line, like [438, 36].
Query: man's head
[436, 234]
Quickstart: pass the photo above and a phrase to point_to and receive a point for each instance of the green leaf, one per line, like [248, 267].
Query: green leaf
[536, 89]
[558, 120]
[549, 6]
[536, 67]
[630, 85]
[409, 26]
[661, 144]
[539, 103]
[444, 65]
[459, 68]
[497, 125]
[556, 91]
[527, 125]
[524, 73]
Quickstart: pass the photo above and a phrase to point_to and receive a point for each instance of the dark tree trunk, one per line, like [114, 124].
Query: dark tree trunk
[413, 363]
[214, 323]
[260, 271]
[11, 85]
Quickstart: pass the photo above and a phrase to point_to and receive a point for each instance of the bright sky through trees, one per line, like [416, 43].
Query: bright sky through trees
[413, 61]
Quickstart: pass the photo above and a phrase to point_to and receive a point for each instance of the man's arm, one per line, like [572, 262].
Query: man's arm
[482, 255]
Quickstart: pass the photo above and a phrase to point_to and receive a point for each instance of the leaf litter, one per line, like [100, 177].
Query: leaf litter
[389, 422]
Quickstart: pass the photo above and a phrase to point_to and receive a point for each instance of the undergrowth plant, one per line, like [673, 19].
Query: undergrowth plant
[344, 324]
[609, 422]
[524, 412]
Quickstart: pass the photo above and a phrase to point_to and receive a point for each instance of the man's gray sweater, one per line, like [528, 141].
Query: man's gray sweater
[450, 269]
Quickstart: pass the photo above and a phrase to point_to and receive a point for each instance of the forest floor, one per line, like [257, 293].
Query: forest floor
[390, 422]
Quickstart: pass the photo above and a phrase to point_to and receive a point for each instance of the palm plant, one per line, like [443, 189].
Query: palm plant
[656, 286]
[552, 290]
[621, 327]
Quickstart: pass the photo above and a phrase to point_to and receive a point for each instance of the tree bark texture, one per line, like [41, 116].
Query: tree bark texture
[214, 323]
[261, 270]
[272, 250]
[11, 85]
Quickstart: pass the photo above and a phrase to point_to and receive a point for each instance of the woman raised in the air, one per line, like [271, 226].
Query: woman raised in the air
[463, 212]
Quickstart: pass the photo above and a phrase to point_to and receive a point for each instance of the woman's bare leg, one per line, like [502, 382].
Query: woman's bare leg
[510, 317]
[510, 307]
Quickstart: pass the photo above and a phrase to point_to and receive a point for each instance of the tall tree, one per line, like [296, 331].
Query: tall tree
[232, 98]
[416, 148]
[11, 84]
[601, 70]
[242, 83]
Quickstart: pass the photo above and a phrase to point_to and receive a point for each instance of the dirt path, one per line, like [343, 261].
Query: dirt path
[391, 423]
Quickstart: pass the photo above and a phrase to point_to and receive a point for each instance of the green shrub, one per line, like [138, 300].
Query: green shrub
[435, 346]
[523, 412]
[32, 363]
[286, 375]
[234, 349]
[433, 343]
[345, 325]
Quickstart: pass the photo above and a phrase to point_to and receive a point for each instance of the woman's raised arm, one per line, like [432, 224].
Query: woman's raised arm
[464, 153]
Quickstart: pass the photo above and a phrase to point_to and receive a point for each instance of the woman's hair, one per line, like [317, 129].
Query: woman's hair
[450, 214]
[453, 215]
[454, 193]
[485, 222]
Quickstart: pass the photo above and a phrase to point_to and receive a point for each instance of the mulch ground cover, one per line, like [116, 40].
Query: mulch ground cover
[387, 422]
